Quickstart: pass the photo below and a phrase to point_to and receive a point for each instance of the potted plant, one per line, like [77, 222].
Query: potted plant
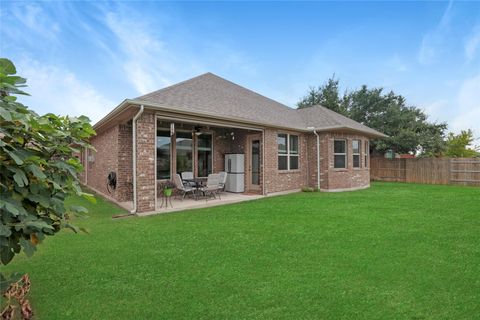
[167, 188]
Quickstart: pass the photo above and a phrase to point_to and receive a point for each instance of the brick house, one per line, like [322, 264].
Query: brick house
[190, 126]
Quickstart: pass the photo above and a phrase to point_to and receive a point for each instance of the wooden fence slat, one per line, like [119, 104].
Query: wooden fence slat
[427, 170]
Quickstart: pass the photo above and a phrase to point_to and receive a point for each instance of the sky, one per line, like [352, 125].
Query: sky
[86, 57]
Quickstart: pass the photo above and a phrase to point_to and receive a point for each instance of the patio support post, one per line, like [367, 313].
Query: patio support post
[134, 148]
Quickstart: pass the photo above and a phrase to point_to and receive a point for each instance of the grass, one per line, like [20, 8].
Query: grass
[394, 251]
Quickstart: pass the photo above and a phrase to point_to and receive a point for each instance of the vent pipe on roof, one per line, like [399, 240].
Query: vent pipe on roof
[134, 157]
[318, 155]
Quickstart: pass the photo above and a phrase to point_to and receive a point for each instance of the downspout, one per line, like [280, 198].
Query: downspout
[318, 156]
[134, 157]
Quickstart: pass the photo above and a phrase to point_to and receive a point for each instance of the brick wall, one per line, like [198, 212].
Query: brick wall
[145, 138]
[338, 179]
[125, 163]
[279, 180]
[114, 153]
[104, 159]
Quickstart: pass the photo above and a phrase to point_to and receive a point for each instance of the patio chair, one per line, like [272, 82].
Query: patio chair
[223, 180]
[181, 187]
[188, 175]
[212, 187]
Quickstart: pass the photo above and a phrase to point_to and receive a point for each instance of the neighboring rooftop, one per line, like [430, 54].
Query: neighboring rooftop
[212, 95]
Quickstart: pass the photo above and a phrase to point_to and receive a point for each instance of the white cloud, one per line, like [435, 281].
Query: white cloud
[148, 63]
[36, 21]
[472, 44]
[468, 114]
[152, 59]
[432, 42]
[59, 91]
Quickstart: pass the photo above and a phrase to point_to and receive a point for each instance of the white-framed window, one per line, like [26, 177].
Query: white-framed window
[366, 153]
[356, 147]
[340, 153]
[287, 151]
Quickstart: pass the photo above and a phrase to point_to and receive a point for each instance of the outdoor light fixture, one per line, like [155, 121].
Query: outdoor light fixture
[197, 131]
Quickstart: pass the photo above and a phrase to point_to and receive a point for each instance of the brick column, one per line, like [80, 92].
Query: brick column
[146, 162]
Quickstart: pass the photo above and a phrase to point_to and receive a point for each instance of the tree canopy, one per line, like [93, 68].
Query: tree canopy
[407, 126]
[461, 145]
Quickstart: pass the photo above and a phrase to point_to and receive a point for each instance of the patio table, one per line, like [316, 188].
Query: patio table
[196, 183]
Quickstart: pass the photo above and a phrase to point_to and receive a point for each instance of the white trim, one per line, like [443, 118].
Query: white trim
[359, 154]
[196, 121]
[288, 154]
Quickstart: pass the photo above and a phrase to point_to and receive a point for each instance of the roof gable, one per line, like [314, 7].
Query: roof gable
[213, 96]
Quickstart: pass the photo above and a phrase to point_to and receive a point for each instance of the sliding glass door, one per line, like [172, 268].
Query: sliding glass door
[204, 154]
[184, 146]
[163, 154]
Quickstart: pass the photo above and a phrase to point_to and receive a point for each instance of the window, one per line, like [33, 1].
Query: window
[163, 154]
[356, 146]
[287, 151]
[340, 154]
[184, 151]
[366, 154]
[204, 154]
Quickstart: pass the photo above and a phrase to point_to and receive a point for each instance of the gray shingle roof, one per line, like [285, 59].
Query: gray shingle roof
[212, 95]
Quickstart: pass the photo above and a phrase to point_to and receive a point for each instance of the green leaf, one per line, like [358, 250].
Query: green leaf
[39, 224]
[12, 209]
[89, 197]
[20, 178]
[15, 158]
[72, 227]
[5, 114]
[6, 255]
[7, 67]
[78, 209]
[37, 172]
[5, 230]
[28, 247]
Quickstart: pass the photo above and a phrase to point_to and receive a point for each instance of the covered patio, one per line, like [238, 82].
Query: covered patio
[200, 148]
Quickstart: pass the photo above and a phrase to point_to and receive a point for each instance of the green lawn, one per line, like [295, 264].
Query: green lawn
[394, 251]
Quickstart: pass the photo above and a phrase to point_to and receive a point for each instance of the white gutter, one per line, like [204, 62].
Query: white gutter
[134, 157]
[318, 156]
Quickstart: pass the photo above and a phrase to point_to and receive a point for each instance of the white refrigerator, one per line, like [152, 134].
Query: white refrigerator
[235, 168]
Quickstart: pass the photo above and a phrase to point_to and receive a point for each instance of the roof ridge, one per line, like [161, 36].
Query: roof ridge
[250, 90]
[172, 86]
[329, 113]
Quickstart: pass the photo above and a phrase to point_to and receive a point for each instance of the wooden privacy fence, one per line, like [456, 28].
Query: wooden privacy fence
[464, 171]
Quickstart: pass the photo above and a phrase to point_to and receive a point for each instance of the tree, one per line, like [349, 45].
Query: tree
[406, 126]
[326, 95]
[457, 145]
[38, 169]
